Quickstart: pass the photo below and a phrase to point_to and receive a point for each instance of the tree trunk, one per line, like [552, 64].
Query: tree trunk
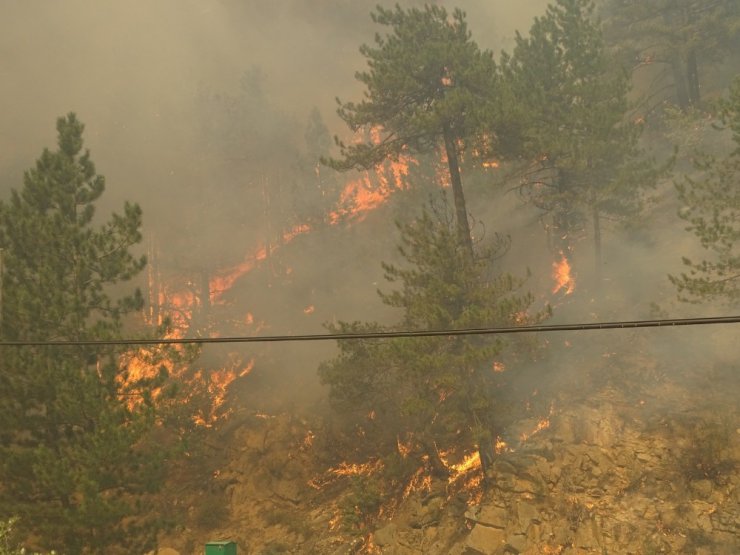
[597, 246]
[205, 295]
[486, 452]
[679, 81]
[461, 212]
[437, 467]
[692, 78]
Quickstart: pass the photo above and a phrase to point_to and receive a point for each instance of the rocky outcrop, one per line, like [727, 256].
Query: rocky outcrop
[655, 470]
[618, 484]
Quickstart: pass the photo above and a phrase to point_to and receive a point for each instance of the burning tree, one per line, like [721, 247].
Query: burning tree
[429, 394]
[712, 209]
[428, 86]
[76, 454]
[582, 149]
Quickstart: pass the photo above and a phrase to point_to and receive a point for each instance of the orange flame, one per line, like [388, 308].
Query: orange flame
[561, 274]
[469, 462]
[543, 424]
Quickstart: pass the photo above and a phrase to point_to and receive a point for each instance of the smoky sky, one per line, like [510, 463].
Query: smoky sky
[135, 72]
[131, 70]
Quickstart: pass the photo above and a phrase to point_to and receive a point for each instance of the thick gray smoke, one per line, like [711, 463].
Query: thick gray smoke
[197, 109]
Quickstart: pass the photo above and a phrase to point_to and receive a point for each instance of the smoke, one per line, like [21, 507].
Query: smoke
[197, 109]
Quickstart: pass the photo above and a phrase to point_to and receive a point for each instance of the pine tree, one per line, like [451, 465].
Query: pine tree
[581, 150]
[76, 454]
[435, 392]
[677, 36]
[712, 210]
[427, 87]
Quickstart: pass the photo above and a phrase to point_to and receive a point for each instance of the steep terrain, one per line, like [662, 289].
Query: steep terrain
[640, 454]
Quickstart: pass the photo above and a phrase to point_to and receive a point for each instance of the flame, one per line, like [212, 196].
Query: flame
[469, 462]
[218, 383]
[420, 481]
[543, 424]
[353, 469]
[561, 274]
[403, 448]
[374, 187]
[498, 366]
[180, 298]
[308, 440]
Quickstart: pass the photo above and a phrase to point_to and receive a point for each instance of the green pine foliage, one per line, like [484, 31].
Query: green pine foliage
[580, 147]
[676, 39]
[711, 207]
[77, 458]
[438, 392]
[426, 89]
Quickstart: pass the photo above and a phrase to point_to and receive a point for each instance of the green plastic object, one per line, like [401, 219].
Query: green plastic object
[220, 548]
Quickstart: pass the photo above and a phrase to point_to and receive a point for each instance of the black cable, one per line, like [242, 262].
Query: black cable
[630, 324]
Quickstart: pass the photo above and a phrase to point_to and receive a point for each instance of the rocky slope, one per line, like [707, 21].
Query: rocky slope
[640, 455]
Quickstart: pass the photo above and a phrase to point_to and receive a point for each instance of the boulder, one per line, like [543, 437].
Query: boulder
[485, 540]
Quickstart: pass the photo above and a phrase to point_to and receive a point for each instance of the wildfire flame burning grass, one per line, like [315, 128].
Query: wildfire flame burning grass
[146, 363]
[561, 273]
[543, 424]
[470, 462]
[371, 190]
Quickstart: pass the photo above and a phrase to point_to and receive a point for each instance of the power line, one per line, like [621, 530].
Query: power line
[628, 324]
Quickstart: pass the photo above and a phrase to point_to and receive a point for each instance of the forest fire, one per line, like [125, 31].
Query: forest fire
[371, 190]
[226, 278]
[218, 382]
[542, 424]
[470, 462]
[561, 273]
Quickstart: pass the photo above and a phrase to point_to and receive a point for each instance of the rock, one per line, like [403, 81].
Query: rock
[165, 551]
[472, 512]
[527, 513]
[484, 540]
[702, 488]
[386, 535]
[288, 490]
[534, 533]
[516, 543]
[501, 467]
[643, 457]
[493, 516]
[587, 535]
[428, 514]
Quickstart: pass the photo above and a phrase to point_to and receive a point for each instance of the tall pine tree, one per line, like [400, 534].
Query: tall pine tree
[76, 456]
[712, 210]
[581, 148]
[678, 37]
[427, 86]
[436, 392]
